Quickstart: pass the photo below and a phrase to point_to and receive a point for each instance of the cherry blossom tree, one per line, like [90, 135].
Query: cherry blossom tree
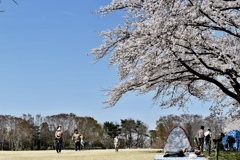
[231, 125]
[179, 49]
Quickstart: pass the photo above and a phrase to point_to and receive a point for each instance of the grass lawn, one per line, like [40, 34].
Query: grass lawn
[123, 154]
[224, 155]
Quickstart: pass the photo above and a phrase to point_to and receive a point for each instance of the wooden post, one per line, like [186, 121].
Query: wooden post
[209, 148]
[217, 149]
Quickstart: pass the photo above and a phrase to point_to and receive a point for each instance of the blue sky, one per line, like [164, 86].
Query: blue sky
[45, 69]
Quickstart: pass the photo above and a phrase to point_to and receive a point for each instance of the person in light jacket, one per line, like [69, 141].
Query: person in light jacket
[58, 139]
[76, 139]
[116, 143]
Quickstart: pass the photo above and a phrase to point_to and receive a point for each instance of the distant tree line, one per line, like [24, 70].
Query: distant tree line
[37, 133]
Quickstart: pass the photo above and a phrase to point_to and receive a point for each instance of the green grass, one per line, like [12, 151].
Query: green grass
[224, 155]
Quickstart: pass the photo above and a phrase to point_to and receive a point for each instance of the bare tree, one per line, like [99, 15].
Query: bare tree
[3, 131]
[164, 126]
[178, 49]
[231, 124]
[90, 129]
[216, 124]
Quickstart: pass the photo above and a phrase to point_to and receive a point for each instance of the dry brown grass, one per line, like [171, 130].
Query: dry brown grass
[123, 154]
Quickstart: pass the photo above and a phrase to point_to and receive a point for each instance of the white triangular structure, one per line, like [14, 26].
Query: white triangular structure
[177, 139]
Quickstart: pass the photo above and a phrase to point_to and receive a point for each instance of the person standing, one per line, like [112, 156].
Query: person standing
[76, 139]
[200, 135]
[58, 138]
[207, 135]
[116, 143]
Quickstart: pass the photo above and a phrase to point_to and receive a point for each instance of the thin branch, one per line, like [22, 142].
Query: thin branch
[15, 2]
